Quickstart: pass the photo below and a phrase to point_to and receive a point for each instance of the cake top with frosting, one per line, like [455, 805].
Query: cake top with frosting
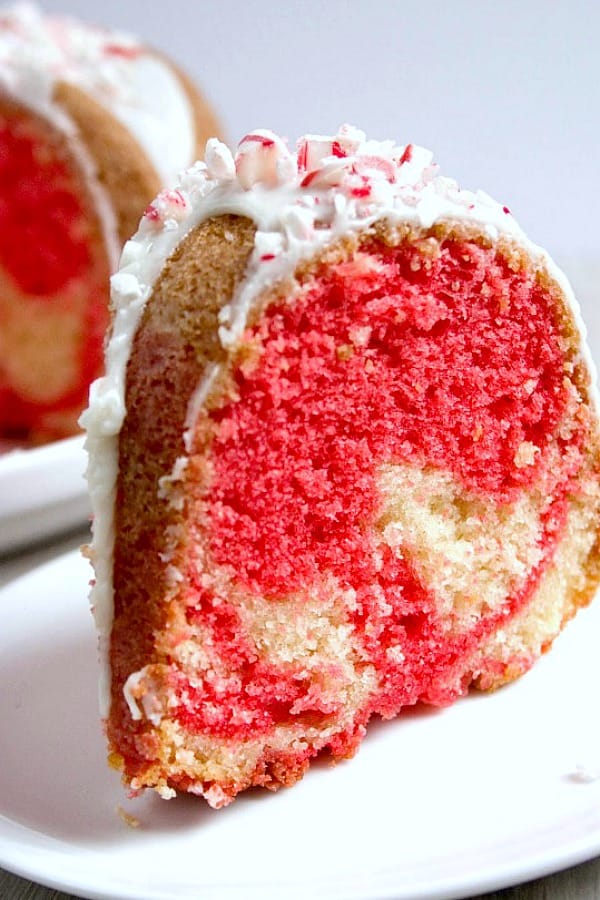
[134, 84]
[37, 50]
[323, 177]
[302, 200]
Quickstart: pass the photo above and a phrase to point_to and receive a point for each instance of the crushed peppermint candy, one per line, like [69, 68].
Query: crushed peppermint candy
[304, 198]
[342, 174]
[263, 157]
[169, 205]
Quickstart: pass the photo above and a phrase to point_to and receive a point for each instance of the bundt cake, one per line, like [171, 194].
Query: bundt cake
[92, 124]
[344, 459]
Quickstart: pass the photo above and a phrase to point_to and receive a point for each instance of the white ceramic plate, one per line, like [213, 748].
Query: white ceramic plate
[42, 492]
[436, 804]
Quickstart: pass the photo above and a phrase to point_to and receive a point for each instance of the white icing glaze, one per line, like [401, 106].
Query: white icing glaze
[299, 203]
[137, 87]
[140, 683]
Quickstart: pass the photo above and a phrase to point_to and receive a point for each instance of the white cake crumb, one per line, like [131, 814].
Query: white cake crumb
[130, 820]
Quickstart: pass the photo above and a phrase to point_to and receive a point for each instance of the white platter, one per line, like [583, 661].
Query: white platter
[437, 804]
[42, 492]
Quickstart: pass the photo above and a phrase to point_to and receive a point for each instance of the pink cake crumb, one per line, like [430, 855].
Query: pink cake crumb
[367, 368]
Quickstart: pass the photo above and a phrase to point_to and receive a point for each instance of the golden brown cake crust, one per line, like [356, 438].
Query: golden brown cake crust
[122, 167]
[166, 359]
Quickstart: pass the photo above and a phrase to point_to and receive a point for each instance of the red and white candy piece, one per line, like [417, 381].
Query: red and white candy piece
[313, 148]
[169, 205]
[414, 166]
[329, 174]
[264, 158]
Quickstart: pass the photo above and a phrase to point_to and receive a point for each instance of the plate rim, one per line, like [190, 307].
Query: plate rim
[44, 492]
[503, 876]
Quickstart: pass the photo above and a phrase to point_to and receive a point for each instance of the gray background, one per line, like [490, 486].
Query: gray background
[504, 93]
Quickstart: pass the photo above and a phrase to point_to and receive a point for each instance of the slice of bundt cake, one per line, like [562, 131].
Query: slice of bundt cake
[344, 460]
[91, 125]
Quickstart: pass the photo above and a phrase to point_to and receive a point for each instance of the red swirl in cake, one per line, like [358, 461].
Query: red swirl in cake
[344, 460]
